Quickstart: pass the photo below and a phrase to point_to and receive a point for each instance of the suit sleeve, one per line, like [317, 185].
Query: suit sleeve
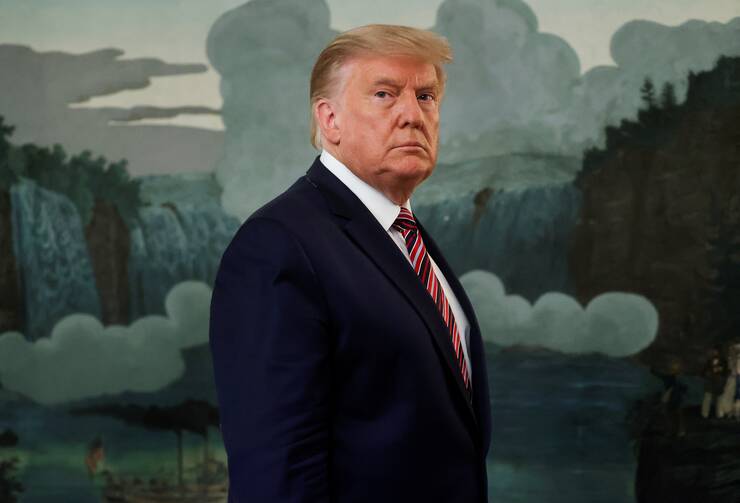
[271, 354]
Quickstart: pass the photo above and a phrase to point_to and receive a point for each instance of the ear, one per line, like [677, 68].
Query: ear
[325, 112]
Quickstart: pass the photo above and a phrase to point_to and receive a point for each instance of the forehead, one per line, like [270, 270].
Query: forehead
[367, 70]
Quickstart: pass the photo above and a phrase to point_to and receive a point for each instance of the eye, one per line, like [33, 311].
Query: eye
[426, 97]
[382, 94]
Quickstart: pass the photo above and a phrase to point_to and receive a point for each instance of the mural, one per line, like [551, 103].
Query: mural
[588, 196]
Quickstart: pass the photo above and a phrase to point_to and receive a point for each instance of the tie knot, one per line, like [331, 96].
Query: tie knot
[405, 220]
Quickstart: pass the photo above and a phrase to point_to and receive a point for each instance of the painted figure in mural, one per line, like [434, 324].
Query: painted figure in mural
[95, 455]
[715, 376]
[730, 399]
[670, 405]
[348, 361]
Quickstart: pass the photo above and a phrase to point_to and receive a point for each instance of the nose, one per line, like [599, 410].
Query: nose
[410, 113]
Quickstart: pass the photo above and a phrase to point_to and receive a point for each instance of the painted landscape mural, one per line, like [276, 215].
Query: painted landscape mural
[587, 195]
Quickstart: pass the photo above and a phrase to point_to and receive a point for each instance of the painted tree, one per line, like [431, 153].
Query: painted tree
[83, 178]
[647, 92]
[7, 177]
[668, 99]
[10, 487]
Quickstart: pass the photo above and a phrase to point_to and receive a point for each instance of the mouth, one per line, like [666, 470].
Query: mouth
[410, 145]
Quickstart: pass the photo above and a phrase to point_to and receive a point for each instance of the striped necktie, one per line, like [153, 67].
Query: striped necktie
[406, 224]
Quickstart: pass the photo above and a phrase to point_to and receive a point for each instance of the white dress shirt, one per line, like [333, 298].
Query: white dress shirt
[386, 212]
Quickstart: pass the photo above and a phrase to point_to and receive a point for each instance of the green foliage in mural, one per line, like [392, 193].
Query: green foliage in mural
[668, 99]
[647, 93]
[10, 487]
[654, 124]
[7, 176]
[82, 177]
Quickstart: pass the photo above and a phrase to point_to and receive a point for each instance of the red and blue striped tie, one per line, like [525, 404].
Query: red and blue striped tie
[406, 224]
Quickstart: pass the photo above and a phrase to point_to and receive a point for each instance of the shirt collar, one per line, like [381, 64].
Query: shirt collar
[383, 209]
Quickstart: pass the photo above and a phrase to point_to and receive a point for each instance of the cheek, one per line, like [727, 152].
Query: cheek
[373, 133]
[433, 122]
[434, 133]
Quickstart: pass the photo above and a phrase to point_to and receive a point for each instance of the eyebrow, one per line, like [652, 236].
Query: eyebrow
[433, 85]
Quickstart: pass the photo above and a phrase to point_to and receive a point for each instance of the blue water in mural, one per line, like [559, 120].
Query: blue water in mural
[558, 430]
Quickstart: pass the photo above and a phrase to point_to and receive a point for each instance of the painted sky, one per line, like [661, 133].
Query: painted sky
[175, 31]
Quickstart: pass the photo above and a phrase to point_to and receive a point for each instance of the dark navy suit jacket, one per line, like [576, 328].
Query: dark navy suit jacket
[335, 373]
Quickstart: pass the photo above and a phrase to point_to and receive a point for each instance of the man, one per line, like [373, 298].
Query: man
[348, 361]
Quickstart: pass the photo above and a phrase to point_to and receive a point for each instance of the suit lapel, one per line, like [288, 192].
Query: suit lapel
[363, 229]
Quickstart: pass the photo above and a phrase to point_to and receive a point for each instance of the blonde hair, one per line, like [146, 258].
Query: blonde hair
[374, 39]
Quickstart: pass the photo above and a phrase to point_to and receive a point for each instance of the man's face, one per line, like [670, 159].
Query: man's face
[387, 120]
